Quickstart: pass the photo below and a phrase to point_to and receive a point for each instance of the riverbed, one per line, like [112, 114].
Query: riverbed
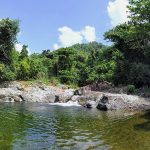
[35, 126]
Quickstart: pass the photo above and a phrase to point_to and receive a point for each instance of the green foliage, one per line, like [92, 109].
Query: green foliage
[68, 77]
[125, 62]
[80, 67]
[54, 81]
[139, 74]
[102, 65]
[24, 69]
[140, 12]
[6, 74]
[24, 52]
[131, 89]
[8, 31]
[2, 66]
[132, 40]
[88, 47]
[37, 68]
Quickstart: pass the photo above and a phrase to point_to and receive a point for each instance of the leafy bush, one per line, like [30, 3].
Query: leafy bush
[24, 70]
[139, 74]
[68, 77]
[7, 74]
[130, 89]
[37, 69]
[2, 66]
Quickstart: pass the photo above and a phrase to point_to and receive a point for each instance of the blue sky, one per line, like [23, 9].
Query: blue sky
[50, 24]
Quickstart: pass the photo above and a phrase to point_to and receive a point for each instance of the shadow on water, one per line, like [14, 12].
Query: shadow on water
[145, 126]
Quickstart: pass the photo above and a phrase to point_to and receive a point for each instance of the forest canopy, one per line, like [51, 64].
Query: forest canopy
[125, 62]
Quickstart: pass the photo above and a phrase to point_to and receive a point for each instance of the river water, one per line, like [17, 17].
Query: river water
[47, 127]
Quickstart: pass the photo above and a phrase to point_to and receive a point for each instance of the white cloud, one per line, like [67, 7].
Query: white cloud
[56, 46]
[69, 37]
[89, 34]
[18, 47]
[117, 11]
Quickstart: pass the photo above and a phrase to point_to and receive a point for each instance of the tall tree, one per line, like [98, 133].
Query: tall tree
[24, 52]
[8, 32]
[140, 19]
[133, 40]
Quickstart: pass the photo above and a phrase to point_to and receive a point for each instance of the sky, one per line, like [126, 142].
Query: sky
[51, 24]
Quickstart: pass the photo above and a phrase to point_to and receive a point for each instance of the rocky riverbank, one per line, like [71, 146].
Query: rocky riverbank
[17, 92]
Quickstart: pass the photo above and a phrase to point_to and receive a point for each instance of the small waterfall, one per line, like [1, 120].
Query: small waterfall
[68, 104]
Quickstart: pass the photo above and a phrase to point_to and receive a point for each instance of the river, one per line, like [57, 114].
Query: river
[27, 126]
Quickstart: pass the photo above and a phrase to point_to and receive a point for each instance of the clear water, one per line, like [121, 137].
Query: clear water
[46, 127]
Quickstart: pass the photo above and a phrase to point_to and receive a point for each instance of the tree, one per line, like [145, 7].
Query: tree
[8, 32]
[133, 40]
[24, 69]
[65, 58]
[140, 19]
[139, 12]
[24, 52]
[37, 68]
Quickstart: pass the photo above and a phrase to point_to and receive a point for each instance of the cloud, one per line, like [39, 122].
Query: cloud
[18, 47]
[117, 11]
[56, 46]
[89, 34]
[69, 37]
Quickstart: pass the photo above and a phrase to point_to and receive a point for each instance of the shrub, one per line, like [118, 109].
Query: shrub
[6, 74]
[24, 70]
[130, 89]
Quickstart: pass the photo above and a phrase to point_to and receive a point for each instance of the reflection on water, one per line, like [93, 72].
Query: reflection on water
[41, 126]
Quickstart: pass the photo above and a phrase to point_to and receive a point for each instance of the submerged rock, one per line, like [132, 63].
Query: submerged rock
[17, 98]
[82, 100]
[91, 104]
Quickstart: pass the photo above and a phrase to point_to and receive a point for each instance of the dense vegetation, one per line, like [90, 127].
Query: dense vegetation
[133, 41]
[125, 62]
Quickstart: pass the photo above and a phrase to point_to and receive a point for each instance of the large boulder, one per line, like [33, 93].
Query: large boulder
[10, 95]
[122, 101]
[12, 85]
[75, 98]
[102, 86]
[102, 105]
[65, 95]
[13, 92]
[109, 101]
[69, 92]
[5, 92]
[36, 94]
